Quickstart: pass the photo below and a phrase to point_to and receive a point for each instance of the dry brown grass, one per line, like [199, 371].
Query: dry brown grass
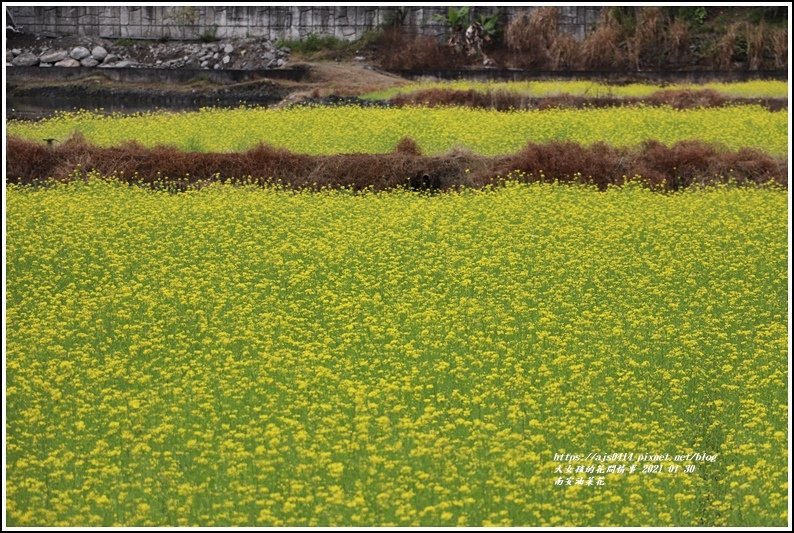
[624, 39]
[399, 50]
[677, 40]
[663, 167]
[645, 47]
[507, 100]
[682, 99]
[499, 100]
[408, 146]
[601, 49]
[531, 35]
[564, 53]
[724, 50]
[756, 44]
[779, 45]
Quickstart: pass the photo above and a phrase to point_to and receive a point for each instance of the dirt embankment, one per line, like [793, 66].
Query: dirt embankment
[660, 167]
[317, 81]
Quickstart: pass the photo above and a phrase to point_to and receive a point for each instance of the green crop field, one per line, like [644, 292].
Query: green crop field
[243, 356]
[323, 130]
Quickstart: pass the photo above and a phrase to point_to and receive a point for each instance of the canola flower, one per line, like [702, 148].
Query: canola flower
[332, 130]
[240, 356]
[747, 89]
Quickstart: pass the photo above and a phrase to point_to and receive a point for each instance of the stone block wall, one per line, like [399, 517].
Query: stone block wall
[269, 22]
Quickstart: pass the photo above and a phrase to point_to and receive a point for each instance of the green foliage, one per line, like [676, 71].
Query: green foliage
[369, 38]
[456, 18]
[314, 43]
[768, 13]
[693, 15]
[490, 24]
[194, 144]
[626, 18]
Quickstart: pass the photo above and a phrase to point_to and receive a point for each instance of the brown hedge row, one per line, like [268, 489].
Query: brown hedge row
[506, 100]
[660, 167]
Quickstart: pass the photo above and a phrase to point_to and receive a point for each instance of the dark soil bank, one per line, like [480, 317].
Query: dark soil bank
[31, 102]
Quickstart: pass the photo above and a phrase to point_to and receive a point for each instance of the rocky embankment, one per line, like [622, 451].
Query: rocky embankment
[246, 54]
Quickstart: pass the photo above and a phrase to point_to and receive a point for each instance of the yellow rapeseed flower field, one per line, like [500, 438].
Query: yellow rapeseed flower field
[331, 130]
[243, 356]
[748, 89]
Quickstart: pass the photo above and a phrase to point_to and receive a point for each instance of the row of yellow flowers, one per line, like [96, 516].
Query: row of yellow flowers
[746, 89]
[330, 130]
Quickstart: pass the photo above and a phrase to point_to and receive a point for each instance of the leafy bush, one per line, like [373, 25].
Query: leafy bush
[313, 43]
[456, 18]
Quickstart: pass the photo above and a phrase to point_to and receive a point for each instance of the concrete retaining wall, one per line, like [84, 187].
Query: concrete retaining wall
[270, 22]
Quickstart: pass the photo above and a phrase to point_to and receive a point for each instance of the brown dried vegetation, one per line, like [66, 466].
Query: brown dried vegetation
[661, 167]
[531, 36]
[601, 49]
[779, 45]
[726, 46]
[756, 45]
[507, 100]
[399, 50]
[625, 38]
[647, 42]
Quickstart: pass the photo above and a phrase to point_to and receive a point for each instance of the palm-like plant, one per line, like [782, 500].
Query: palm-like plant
[489, 25]
[456, 18]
